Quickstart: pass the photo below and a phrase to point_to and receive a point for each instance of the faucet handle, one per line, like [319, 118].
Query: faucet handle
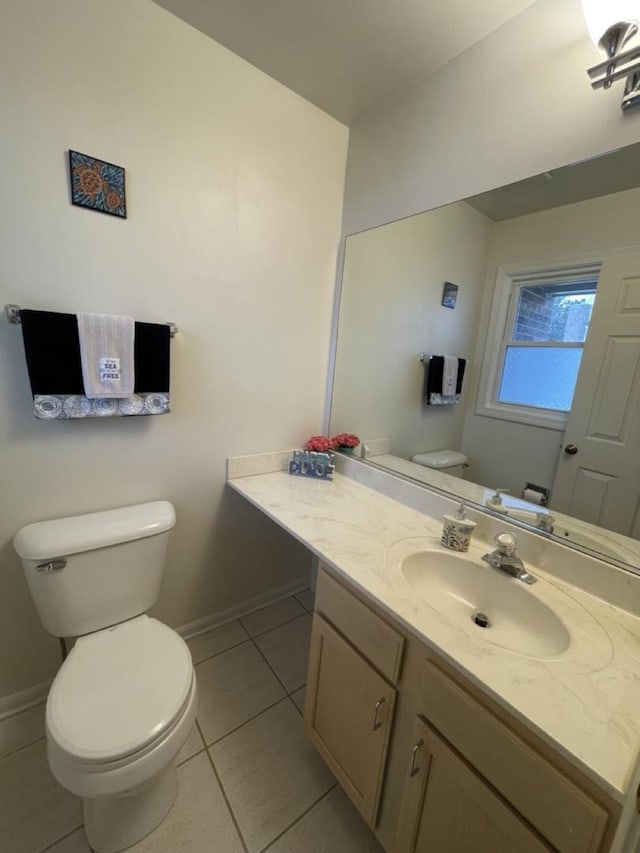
[507, 543]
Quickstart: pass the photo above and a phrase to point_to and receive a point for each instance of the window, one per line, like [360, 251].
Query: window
[538, 331]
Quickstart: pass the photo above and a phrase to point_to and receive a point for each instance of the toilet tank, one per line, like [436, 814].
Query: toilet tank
[87, 572]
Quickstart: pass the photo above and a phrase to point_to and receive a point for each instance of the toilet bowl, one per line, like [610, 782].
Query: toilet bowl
[118, 713]
[451, 462]
[125, 699]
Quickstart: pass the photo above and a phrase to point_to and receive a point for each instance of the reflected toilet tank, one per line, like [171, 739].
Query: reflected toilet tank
[451, 462]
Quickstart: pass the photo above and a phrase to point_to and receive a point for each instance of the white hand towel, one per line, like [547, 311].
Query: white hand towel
[106, 353]
[449, 375]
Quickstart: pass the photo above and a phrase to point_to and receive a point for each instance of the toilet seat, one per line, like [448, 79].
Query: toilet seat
[119, 692]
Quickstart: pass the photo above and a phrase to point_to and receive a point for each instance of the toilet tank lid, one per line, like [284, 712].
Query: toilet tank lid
[440, 459]
[74, 534]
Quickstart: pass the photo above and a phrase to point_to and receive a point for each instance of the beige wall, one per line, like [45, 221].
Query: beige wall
[516, 104]
[506, 454]
[391, 311]
[234, 195]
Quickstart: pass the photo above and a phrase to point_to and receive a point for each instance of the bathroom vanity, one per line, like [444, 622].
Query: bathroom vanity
[449, 735]
[425, 756]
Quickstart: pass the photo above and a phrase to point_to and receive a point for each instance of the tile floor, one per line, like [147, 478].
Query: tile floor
[248, 779]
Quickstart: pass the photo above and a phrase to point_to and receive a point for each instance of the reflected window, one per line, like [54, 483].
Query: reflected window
[540, 321]
[544, 342]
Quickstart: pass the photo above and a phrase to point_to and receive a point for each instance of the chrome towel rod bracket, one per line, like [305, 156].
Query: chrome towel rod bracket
[13, 316]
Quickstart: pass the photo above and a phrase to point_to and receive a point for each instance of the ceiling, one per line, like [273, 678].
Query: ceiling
[598, 176]
[346, 55]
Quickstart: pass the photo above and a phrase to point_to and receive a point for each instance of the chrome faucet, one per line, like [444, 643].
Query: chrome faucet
[545, 522]
[506, 559]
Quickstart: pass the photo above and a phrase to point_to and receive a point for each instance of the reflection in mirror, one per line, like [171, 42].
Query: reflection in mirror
[546, 427]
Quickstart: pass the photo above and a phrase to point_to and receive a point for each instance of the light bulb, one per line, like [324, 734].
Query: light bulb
[602, 14]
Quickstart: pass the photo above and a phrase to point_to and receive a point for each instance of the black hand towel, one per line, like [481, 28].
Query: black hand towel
[433, 382]
[52, 351]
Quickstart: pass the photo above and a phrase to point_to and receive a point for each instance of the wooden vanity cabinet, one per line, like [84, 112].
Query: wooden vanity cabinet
[448, 808]
[453, 772]
[348, 714]
[544, 797]
[349, 702]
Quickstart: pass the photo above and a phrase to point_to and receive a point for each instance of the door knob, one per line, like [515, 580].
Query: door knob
[570, 449]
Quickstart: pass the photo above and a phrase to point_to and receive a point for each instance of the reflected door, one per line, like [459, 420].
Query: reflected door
[598, 474]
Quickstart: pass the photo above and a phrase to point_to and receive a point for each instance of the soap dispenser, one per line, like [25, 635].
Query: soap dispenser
[495, 501]
[457, 530]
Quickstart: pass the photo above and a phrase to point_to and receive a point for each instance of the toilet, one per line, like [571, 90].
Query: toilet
[451, 462]
[124, 701]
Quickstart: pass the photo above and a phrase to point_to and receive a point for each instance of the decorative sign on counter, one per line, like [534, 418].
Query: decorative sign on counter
[309, 463]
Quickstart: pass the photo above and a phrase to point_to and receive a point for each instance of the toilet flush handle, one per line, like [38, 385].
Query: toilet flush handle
[51, 566]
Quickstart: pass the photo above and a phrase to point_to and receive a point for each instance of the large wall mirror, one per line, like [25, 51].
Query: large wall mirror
[547, 318]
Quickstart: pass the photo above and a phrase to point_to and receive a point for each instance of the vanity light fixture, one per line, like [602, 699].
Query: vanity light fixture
[611, 24]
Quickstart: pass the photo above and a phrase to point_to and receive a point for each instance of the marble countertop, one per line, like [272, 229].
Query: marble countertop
[585, 702]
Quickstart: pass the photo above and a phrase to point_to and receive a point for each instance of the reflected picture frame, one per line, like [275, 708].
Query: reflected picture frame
[449, 295]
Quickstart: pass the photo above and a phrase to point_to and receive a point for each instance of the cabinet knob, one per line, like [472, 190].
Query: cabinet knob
[376, 722]
[413, 768]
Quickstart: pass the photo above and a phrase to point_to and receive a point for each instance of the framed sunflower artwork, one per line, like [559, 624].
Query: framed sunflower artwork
[97, 184]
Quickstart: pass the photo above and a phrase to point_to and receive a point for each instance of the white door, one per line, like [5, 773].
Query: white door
[598, 474]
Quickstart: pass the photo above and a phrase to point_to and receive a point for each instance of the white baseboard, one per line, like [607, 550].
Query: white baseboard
[24, 699]
[201, 626]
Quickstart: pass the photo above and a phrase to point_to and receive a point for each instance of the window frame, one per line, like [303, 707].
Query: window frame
[508, 285]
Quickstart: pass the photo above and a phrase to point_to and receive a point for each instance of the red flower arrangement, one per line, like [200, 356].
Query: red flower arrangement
[320, 444]
[345, 439]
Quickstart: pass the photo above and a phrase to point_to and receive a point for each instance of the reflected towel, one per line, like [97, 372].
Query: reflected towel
[435, 394]
[449, 375]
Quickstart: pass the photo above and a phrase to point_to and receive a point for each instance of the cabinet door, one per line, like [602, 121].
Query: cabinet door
[449, 809]
[348, 715]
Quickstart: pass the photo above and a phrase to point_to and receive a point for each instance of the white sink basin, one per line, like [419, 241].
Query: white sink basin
[460, 588]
